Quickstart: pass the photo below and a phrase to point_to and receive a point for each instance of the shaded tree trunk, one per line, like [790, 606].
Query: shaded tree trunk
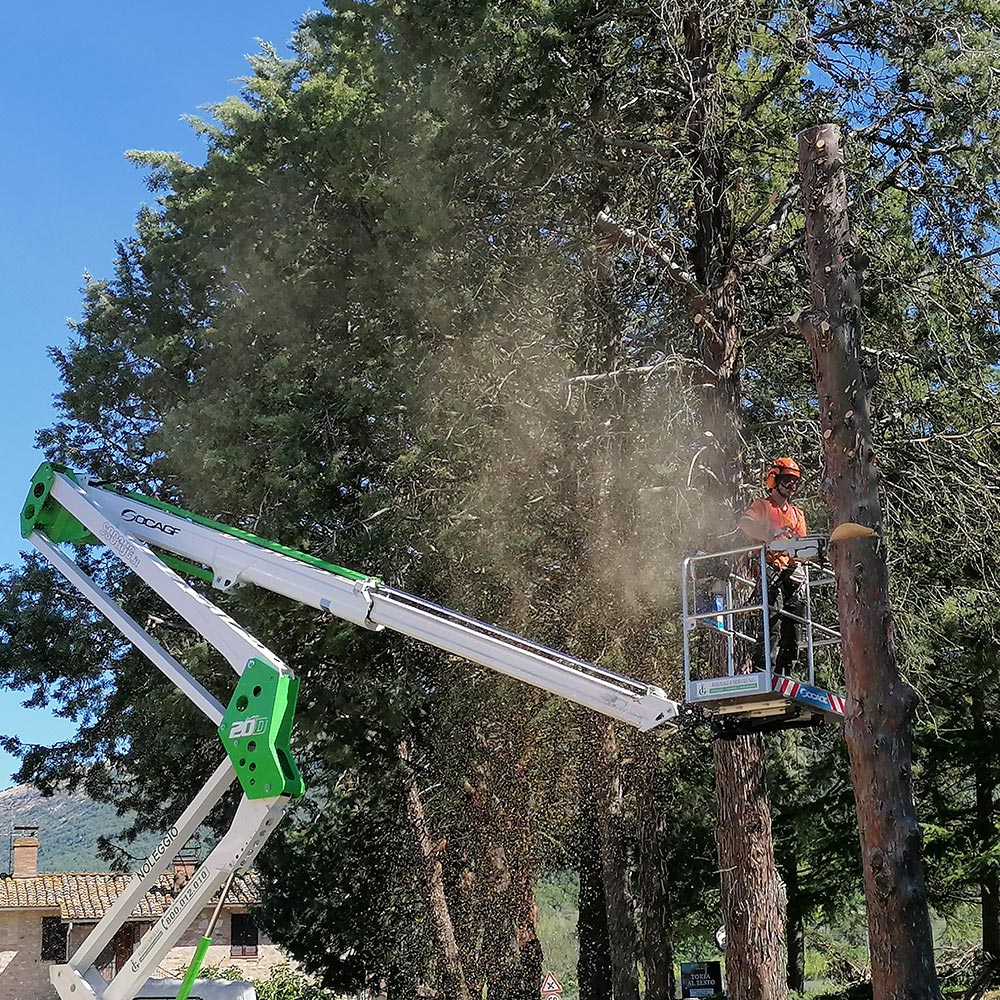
[614, 868]
[986, 831]
[499, 941]
[495, 895]
[656, 919]
[755, 966]
[594, 963]
[531, 956]
[512, 951]
[794, 927]
[750, 880]
[429, 873]
[879, 726]
[465, 907]
[751, 889]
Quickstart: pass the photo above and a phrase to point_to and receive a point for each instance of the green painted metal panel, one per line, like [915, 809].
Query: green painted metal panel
[41, 513]
[256, 732]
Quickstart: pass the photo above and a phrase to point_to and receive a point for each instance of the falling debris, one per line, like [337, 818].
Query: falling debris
[851, 530]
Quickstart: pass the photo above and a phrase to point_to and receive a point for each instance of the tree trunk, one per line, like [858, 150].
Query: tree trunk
[499, 940]
[754, 955]
[530, 952]
[495, 895]
[986, 831]
[594, 963]
[654, 883]
[614, 867]
[751, 889]
[794, 928]
[880, 708]
[512, 951]
[714, 304]
[452, 978]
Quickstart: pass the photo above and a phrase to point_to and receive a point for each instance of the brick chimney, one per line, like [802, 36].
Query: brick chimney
[184, 868]
[25, 851]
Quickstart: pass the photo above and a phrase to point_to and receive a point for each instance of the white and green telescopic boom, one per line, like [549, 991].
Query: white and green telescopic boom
[157, 541]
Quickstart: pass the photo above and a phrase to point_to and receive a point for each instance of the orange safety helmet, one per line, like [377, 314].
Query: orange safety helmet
[782, 467]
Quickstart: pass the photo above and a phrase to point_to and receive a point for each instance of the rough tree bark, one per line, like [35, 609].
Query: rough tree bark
[794, 925]
[512, 951]
[496, 911]
[594, 965]
[614, 867]
[751, 890]
[613, 934]
[453, 986]
[654, 881]
[755, 959]
[879, 727]
[983, 770]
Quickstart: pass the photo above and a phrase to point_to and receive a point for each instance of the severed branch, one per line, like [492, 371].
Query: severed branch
[961, 436]
[676, 361]
[633, 144]
[650, 248]
[603, 161]
[782, 203]
[598, 19]
[697, 296]
[769, 258]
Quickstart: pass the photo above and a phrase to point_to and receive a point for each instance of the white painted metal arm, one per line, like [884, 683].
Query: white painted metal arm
[368, 602]
[254, 822]
[86, 504]
[154, 866]
[132, 631]
[622, 698]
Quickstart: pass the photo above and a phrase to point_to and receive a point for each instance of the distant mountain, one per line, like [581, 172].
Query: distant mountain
[68, 827]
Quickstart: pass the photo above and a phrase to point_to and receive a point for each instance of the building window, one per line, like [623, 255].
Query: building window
[244, 936]
[53, 940]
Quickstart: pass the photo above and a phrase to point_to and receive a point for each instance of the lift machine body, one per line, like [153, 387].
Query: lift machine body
[156, 540]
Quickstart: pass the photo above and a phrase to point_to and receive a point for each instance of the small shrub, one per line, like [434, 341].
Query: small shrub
[284, 983]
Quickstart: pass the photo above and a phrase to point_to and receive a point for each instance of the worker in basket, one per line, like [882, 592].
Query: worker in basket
[772, 518]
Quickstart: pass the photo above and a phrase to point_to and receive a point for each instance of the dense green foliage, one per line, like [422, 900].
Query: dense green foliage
[382, 324]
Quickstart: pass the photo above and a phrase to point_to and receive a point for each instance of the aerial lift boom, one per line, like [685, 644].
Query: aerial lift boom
[156, 540]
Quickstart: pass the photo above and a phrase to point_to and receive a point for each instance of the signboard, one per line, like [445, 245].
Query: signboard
[712, 688]
[701, 979]
[550, 986]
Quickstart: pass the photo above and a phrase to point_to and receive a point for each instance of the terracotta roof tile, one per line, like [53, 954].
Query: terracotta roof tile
[86, 895]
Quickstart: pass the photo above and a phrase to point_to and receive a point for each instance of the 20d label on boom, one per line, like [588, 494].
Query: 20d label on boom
[253, 726]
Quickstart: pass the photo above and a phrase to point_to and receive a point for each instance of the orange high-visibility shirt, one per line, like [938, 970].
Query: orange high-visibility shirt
[778, 517]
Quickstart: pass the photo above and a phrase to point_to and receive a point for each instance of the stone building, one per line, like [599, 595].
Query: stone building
[45, 916]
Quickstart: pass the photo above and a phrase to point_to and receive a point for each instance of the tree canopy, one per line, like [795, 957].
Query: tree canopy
[494, 301]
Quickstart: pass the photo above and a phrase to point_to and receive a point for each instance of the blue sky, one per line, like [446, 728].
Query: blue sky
[83, 83]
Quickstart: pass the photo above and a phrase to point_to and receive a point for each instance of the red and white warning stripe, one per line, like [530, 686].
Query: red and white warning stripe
[785, 686]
